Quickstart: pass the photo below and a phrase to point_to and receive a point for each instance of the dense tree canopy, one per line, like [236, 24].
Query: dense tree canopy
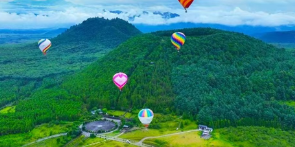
[218, 78]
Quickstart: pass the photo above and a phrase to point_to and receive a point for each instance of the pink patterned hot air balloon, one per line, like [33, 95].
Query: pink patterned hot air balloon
[120, 79]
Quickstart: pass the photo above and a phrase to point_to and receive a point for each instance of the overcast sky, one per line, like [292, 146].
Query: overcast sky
[24, 14]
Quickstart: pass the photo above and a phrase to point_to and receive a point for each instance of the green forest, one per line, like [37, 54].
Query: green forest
[219, 78]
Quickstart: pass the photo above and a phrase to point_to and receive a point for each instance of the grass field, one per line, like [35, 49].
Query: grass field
[191, 139]
[140, 134]
[38, 132]
[96, 142]
[9, 109]
[110, 143]
[115, 133]
[161, 125]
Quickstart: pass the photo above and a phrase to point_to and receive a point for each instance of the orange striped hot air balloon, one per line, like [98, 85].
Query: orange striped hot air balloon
[186, 3]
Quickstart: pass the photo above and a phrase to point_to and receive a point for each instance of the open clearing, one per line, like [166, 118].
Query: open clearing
[8, 109]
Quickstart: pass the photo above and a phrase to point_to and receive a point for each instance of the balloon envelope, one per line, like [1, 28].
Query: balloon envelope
[146, 116]
[178, 39]
[44, 45]
[120, 80]
[186, 3]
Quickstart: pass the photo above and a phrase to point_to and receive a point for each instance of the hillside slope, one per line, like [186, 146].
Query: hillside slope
[24, 68]
[218, 78]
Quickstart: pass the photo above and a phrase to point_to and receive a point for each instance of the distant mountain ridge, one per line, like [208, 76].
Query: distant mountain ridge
[27, 35]
[32, 31]
[253, 31]
[278, 37]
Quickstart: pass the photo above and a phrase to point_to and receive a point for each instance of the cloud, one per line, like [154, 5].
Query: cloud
[227, 12]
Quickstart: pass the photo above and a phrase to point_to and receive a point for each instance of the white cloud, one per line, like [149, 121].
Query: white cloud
[228, 13]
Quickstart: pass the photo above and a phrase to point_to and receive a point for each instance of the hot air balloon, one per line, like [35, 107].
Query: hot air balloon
[178, 40]
[146, 116]
[44, 45]
[186, 4]
[120, 79]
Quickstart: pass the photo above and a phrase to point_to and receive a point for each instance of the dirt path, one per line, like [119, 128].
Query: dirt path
[45, 138]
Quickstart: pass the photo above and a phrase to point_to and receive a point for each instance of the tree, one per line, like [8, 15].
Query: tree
[92, 135]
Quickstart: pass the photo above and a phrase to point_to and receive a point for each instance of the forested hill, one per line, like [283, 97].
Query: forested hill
[278, 37]
[109, 33]
[218, 78]
[24, 67]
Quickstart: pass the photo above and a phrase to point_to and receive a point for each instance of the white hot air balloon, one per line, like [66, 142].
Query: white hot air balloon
[44, 45]
[146, 116]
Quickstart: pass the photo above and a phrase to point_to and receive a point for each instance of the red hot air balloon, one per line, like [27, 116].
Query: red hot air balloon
[186, 4]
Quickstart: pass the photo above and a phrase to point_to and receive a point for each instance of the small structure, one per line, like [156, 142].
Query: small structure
[206, 131]
[96, 111]
[93, 112]
[125, 126]
[202, 127]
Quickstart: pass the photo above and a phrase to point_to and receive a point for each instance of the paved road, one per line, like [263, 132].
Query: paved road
[45, 138]
[142, 140]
